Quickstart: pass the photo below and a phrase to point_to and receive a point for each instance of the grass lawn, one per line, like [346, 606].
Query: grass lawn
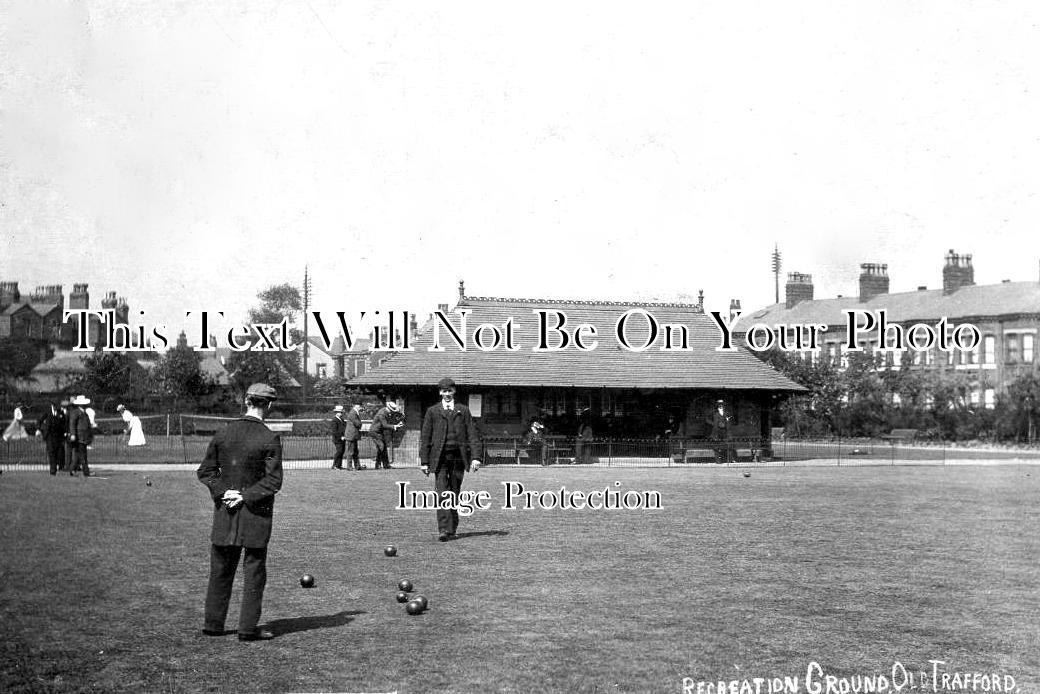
[735, 578]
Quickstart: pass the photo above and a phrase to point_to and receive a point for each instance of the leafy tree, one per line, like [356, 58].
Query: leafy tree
[19, 356]
[116, 375]
[1022, 406]
[277, 368]
[178, 374]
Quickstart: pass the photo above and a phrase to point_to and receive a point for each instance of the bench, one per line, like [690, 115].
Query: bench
[740, 451]
[513, 455]
[280, 427]
[900, 436]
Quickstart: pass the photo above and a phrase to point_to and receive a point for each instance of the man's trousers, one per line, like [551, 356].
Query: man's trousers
[450, 471]
[223, 564]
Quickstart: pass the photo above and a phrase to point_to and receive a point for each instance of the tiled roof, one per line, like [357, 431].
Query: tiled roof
[63, 362]
[977, 301]
[608, 366]
[211, 365]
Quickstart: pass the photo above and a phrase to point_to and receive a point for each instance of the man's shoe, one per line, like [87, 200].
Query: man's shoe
[444, 537]
[387, 467]
[258, 635]
[213, 632]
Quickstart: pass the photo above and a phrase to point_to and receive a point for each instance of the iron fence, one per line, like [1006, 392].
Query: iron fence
[308, 447]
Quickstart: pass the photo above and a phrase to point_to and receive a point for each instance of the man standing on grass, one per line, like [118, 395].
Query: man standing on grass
[352, 434]
[243, 470]
[338, 429]
[81, 434]
[449, 444]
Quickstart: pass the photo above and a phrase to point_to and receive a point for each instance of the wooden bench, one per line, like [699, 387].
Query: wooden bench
[900, 436]
[512, 454]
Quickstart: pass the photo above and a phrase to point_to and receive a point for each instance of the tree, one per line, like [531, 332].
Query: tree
[113, 376]
[19, 356]
[178, 374]
[1023, 407]
[277, 368]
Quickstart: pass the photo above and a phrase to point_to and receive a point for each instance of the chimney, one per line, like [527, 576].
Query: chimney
[50, 294]
[958, 272]
[109, 302]
[9, 294]
[799, 288]
[734, 306]
[462, 290]
[873, 280]
[443, 308]
[79, 298]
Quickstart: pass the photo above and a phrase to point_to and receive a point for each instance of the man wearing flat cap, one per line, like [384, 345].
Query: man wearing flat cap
[243, 471]
[449, 446]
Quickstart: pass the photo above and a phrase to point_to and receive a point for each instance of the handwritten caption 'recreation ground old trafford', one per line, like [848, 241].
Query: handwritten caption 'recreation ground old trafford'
[636, 330]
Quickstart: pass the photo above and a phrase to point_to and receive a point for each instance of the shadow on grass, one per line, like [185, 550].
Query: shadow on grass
[461, 536]
[281, 627]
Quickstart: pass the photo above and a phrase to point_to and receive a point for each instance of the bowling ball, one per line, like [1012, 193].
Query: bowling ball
[421, 599]
[414, 607]
[405, 585]
[390, 551]
[307, 581]
[402, 596]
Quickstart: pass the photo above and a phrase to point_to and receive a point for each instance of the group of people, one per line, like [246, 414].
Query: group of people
[345, 428]
[243, 472]
[67, 430]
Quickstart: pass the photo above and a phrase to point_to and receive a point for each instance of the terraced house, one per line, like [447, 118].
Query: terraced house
[1007, 316]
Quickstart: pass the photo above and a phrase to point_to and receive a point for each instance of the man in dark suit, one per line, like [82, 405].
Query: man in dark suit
[243, 471]
[81, 434]
[450, 445]
[385, 424]
[352, 434]
[52, 431]
[338, 428]
[720, 431]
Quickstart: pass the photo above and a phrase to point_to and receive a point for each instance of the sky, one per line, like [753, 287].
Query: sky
[188, 154]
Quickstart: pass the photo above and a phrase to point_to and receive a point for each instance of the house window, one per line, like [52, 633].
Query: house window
[988, 348]
[501, 403]
[1012, 353]
[990, 398]
[1027, 349]
[554, 403]
[321, 371]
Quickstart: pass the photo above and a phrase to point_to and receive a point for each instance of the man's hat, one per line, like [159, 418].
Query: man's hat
[445, 383]
[337, 408]
[261, 390]
[65, 402]
[81, 400]
[720, 402]
[392, 406]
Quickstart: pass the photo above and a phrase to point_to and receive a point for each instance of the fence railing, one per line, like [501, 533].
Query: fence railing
[314, 449]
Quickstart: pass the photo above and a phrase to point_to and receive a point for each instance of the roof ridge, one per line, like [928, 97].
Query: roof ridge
[578, 302]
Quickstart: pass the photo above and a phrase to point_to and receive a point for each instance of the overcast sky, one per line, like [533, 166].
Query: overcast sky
[187, 154]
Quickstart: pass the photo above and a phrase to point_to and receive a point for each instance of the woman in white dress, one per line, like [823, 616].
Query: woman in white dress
[133, 427]
[15, 430]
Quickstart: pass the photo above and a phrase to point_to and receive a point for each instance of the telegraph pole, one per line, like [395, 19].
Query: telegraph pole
[306, 341]
[776, 271]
